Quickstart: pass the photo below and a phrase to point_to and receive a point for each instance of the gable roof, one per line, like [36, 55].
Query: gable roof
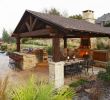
[66, 23]
[103, 18]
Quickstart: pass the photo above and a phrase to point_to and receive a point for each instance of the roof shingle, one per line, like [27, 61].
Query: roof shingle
[68, 23]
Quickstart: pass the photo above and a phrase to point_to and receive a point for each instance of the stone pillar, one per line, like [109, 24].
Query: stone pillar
[56, 73]
[88, 15]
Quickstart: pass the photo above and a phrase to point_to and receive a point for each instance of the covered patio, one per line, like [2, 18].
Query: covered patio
[39, 25]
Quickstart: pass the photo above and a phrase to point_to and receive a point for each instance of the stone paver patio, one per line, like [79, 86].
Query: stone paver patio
[41, 72]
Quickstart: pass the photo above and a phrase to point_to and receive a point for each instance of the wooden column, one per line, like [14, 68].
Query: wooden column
[65, 42]
[18, 44]
[56, 49]
[109, 43]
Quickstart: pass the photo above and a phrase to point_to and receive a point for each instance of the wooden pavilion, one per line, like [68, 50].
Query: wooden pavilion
[39, 25]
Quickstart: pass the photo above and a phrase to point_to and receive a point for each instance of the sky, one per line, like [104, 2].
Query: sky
[11, 11]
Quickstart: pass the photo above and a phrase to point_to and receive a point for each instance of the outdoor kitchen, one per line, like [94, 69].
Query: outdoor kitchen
[29, 59]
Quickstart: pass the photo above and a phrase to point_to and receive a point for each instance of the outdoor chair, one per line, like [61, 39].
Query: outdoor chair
[76, 69]
[67, 70]
[73, 69]
[87, 64]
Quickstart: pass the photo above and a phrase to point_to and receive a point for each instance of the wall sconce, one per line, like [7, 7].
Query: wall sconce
[68, 58]
[74, 57]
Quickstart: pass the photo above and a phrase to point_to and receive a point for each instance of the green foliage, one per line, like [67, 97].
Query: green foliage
[24, 92]
[76, 16]
[78, 83]
[33, 42]
[102, 46]
[35, 90]
[5, 36]
[3, 47]
[12, 40]
[52, 11]
[105, 76]
[40, 44]
[49, 50]
[24, 40]
[64, 93]
[3, 87]
[102, 43]
[107, 24]
[108, 67]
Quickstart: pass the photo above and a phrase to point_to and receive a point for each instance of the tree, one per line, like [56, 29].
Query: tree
[5, 36]
[107, 24]
[76, 16]
[52, 11]
[64, 14]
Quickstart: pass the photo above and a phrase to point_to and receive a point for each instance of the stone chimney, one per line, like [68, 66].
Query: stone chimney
[88, 15]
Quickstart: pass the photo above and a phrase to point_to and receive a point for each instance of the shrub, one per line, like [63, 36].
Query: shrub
[64, 93]
[3, 87]
[33, 90]
[4, 47]
[78, 83]
[108, 67]
[49, 50]
[102, 46]
[105, 76]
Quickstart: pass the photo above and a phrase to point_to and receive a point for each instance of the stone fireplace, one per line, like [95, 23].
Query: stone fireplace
[85, 46]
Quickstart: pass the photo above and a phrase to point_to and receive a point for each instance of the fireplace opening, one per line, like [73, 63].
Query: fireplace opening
[85, 46]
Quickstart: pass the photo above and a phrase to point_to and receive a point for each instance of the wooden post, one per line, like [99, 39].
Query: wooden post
[56, 49]
[65, 53]
[65, 42]
[109, 43]
[18, 44]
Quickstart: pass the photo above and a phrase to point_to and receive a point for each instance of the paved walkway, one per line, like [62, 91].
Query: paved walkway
[16, 77]
[41, 72]
[4, 69]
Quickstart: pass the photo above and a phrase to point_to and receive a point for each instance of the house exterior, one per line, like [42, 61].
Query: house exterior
[103, 20]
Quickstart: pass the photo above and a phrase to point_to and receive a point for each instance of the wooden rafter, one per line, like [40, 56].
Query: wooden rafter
[28, 26]
[34, 22]
[31, 24]
[30, 21]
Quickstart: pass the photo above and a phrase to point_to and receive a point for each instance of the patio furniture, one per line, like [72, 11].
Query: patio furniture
[76, 69]
[87, 64]
[72, 68]
[67, 70]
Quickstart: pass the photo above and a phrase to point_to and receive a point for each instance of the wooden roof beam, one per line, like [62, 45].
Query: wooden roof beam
[42, 32]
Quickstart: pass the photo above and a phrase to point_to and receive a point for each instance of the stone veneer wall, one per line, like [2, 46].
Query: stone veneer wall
[88, 16]
[56, 73]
